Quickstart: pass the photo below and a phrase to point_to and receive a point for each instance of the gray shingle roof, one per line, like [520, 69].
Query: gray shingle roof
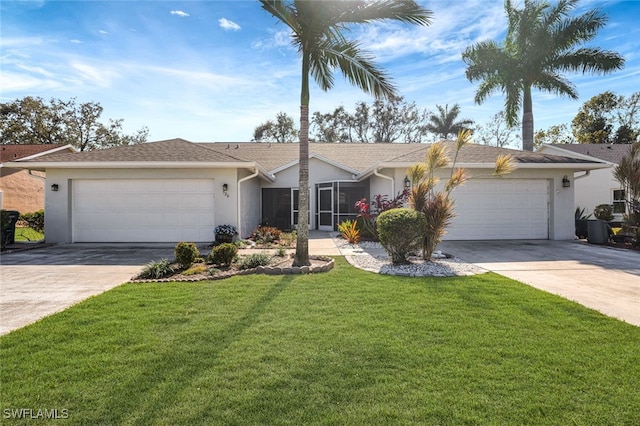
[270, 157]
[16, 152]
[357, 157]
[611, 153]
[174, 150]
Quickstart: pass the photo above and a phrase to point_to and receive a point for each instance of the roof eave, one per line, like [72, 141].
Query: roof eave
[43, 166]
[564, 166]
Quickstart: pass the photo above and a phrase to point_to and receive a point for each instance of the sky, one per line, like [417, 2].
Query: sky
[211, 71]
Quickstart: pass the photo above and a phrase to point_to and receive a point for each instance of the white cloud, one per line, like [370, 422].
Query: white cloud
[20, 82]
[76, 41]
[228, 25]
[102, 32]
[280, 38]
[180, 13]
[21, 42]
[99, 76]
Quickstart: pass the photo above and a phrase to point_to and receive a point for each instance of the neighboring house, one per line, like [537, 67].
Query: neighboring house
[20, 189]
[595, 187]
[176, 190]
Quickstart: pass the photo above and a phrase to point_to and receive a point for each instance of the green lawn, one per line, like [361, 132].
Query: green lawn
[345, 347]
[28, 234]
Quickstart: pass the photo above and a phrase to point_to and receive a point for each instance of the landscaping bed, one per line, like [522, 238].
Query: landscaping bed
[278, 266]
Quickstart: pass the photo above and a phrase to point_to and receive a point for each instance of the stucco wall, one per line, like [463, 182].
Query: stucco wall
[21, 191]
[561, 200]
[250, 204]
[58, 205]
[595, 189]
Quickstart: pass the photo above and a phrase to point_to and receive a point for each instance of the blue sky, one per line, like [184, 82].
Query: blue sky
[213, 70]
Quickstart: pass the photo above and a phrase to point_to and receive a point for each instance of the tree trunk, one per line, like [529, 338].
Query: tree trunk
[302, 244]
[527, 120]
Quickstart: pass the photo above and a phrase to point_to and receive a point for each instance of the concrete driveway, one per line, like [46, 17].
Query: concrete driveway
[599, 277]
[36, 283]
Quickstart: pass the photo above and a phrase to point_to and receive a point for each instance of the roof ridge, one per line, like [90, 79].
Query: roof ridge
[201, 146]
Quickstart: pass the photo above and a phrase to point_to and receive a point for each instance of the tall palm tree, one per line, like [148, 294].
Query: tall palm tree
[317, 31]
[542, 41]
[444, 123]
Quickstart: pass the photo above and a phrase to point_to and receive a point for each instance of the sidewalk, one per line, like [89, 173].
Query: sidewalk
[320, 244]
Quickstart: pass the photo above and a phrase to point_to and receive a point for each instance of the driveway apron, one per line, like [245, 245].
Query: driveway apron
[599, 277]
[36, 283]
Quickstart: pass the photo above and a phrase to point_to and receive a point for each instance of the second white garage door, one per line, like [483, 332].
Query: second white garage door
[143, 210]
[501, 209]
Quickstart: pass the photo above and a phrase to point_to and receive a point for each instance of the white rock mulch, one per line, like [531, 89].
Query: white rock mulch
[379, 262]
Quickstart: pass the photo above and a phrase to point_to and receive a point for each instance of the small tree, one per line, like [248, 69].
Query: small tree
[401, 233]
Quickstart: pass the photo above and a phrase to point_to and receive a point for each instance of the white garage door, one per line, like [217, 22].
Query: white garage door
[143, 210]
[501, 209]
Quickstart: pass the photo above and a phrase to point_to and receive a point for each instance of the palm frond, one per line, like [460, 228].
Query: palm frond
[590, 60]
[358, 67]
[397, 10]
[557, 84]
[283, 12]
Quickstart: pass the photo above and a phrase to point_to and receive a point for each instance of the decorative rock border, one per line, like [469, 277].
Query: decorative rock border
[328, 265]
[292, 270]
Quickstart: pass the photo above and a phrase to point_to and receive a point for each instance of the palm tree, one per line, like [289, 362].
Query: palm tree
[542, 41]
[317, 31]
[445, 124]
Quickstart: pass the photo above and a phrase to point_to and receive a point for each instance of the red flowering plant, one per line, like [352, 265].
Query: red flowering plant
[368, 212]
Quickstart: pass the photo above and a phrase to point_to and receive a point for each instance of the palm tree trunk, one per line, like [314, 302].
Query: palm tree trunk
[527, 120]
[302, 243]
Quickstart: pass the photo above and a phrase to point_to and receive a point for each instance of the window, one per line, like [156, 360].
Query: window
[619, 201]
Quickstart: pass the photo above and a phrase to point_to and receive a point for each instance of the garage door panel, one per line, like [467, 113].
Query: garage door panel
[501, 209]
[143, 210]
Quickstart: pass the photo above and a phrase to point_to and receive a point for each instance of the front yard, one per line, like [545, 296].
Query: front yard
[343, 347]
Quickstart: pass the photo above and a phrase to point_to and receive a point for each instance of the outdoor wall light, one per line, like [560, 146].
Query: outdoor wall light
[566, 183]
[55, 187]
[225, 189]
[407, 182]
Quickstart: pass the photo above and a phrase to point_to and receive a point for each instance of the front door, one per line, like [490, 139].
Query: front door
[325, 208]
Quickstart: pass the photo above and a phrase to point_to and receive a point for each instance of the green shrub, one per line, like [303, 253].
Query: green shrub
[254, 260]
[281, 252]
[34, 220]
[186, 253]
[224, 254]
[400, 231]
[603, 212]
[265, 234]
[195, 270]
[156, 270]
